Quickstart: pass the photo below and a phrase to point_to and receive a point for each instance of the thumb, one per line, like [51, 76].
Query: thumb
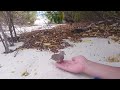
[76, 58]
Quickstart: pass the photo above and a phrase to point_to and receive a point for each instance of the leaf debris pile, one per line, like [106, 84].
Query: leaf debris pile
[53, 39]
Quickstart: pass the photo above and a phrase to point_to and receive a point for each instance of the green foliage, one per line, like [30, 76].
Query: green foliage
[55, 16]
[24, 17]
[90, 15]
[80, 15]
[21, 17]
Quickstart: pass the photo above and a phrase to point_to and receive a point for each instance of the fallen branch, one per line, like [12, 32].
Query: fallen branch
[16, 53]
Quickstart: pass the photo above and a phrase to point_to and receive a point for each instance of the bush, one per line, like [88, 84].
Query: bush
[55, 16]
[24, 17]
[78, 16]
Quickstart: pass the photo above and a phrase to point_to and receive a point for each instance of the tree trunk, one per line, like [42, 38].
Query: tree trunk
[3, 42]
[10, 27]
[12, 24]
[5, 37]
[14, 29]
[7, 50]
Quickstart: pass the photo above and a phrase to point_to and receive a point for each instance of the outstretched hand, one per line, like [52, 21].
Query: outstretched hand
[76, 65]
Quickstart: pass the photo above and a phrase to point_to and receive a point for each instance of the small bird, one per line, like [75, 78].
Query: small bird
[58, 57]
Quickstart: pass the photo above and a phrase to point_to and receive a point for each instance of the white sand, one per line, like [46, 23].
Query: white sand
[38, 65]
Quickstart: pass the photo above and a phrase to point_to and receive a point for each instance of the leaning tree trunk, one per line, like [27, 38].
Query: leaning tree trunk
[6, 46]
[14, 29]
[12, 24]
[10, 27]
[5, 36]
[3, 43]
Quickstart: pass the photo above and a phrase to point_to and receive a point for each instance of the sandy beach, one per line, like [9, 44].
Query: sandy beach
[35, 64]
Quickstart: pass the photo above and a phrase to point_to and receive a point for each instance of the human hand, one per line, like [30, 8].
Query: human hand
[76, 65]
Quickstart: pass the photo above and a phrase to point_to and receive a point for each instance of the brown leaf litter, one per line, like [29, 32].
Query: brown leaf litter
[53, 39]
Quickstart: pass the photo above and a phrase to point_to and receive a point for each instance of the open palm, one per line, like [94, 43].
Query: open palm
[76, 65]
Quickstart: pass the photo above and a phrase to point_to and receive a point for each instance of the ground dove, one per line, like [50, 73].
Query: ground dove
[58, 57]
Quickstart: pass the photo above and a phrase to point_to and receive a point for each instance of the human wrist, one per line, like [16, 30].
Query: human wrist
[87, 66]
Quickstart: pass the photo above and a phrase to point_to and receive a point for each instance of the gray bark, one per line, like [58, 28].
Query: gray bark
[10, 27]
[12, 24]
[5, 42]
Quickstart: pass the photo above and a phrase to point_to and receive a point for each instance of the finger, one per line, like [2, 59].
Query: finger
[67, 62]
[74, 58]
[64, 63]
[67, 68]
[61, 66]
[77, 56]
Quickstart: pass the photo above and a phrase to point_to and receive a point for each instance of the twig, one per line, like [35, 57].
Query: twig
[16, 52]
